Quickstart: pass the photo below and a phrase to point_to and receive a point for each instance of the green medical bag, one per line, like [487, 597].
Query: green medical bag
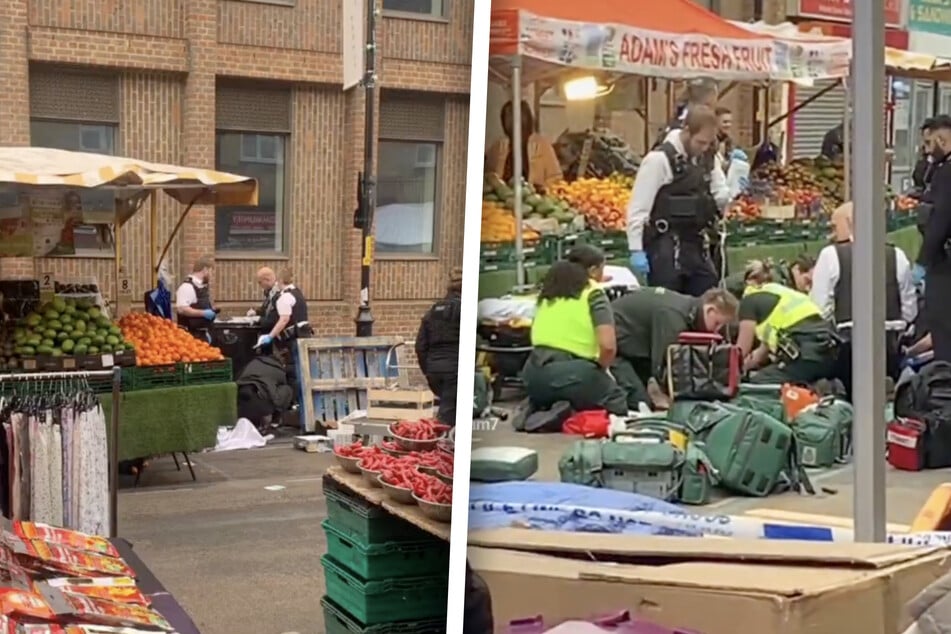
[824, 433]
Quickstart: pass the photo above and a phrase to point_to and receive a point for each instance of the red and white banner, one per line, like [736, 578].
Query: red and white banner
[626, 49]
[840, 10]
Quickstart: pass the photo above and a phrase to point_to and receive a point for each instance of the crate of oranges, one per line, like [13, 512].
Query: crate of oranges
[162, 349]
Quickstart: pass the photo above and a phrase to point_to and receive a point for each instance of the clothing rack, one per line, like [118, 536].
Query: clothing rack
[116, 373]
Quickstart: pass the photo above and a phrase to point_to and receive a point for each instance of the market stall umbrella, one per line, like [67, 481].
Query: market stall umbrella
[132, 180]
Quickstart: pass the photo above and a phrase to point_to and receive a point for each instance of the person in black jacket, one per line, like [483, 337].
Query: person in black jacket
[921, 175]
[934, 258]
[833, 143]
[437, 347]
[477, 618]
[263, 389]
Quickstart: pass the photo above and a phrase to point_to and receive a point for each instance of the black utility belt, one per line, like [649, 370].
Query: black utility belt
[680, 225]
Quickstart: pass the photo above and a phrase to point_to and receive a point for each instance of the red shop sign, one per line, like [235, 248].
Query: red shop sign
[841, 10]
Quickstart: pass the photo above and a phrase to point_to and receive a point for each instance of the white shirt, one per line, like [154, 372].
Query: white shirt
[825, 276]
[286, 302]
[654, 173]
[185, 296]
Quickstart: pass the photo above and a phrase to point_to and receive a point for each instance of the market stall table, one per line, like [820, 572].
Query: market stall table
[181, 419]
[163, 602]
[358, 486]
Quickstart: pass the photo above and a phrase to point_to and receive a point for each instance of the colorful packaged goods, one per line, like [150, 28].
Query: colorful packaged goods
[64, 537]
[37, 555]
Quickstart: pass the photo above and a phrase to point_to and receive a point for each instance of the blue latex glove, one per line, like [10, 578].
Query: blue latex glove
[639, 263]
[918, 274]
[739, 155]
[209, 314]
[266, 340]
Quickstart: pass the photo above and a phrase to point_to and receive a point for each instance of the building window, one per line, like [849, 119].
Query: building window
[434, 8]
[262, 156]
[406, 196]
[410, 163]
[88, 239]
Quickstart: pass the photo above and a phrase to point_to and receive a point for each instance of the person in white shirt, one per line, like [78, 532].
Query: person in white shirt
[193, 304]
[289, 315]
[832, 278]
[676, 199]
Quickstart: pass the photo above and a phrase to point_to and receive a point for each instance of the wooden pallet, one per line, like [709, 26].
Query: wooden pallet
[401, 404]
[336, 373]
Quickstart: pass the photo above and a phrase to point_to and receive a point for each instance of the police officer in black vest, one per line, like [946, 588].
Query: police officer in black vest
[193, 304]
[288, 320]
[832, 278]
[267, 280]
[934, 258]
[673, 210]
[437, 347]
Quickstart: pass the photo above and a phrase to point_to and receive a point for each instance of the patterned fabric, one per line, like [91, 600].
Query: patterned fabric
[58, 466]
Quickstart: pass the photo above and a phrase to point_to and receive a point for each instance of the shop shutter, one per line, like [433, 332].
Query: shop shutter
[412, 116]
[248, 108]
[812, 122]
[71, 95]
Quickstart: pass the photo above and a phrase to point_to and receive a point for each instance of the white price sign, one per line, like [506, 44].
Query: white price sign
[47, 286]
[125, 286]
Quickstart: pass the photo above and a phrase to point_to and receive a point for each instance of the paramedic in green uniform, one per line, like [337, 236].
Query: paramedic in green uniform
[573, 338]
[648, 321]
[795, 343]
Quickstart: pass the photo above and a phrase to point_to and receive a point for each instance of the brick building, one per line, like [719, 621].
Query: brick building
[254, 87]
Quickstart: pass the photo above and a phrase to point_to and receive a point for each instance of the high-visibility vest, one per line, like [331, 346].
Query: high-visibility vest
[565, 324]
[792, 308]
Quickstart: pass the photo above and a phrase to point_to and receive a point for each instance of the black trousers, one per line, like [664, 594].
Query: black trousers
[938, 312]
[443, 385]
[843, 361]
[681, 266]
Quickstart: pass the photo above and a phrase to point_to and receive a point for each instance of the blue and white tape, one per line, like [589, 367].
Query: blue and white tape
[699, 525]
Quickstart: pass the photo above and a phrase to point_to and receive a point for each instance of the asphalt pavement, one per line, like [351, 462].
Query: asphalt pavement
[240, 548]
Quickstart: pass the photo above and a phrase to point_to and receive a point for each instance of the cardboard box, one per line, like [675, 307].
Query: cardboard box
[714, 586]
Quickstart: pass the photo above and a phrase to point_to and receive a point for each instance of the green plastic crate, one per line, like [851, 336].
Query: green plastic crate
[157, 376]
[206, 372]
[358, 519]
[337, 621]
[375, 602]
[389, 560]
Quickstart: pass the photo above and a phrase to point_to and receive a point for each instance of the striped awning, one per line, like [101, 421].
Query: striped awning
[34, 167]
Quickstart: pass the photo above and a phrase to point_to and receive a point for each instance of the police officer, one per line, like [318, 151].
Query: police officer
[648, 321]
[289, 319]
[573, 338]
[672, 208]
[193, 304]
[831, 290]
[701, 92]
[437, 347]
[935, 253]
[267, 280]
[796, 344]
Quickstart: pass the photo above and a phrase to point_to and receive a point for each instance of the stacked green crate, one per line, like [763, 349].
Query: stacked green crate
[613, 243]
[501, 256]
[382, 573]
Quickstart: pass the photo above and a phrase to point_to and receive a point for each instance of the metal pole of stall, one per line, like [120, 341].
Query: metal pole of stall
[114, 453]
[367, 195]
[847, 138]
[868, 290]
[517, 167]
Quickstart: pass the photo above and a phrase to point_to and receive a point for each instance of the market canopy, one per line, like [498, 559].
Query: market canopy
[676, 39]
[897, 62]
[34, 167]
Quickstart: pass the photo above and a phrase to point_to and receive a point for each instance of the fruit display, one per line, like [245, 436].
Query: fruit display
[813, 186]
[498, 224]
[64, 327]
[608, 154]
[547, 214]
[603, 201]
[158, 341]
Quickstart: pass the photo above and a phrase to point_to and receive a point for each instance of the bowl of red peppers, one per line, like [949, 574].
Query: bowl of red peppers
[420, 435]
[397, 480]
[349, 456]
[371, 466]
[434, 497]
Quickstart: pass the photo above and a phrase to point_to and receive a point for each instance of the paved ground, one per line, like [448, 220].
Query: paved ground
[907, 491]
[240, 558]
